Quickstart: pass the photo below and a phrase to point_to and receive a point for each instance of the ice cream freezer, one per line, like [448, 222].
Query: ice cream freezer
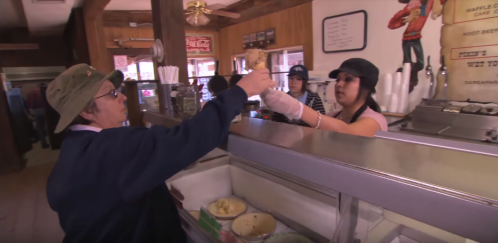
[329, 187]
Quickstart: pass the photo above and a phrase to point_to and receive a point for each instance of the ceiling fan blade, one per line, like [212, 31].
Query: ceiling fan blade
[225, 14]
[216, 6]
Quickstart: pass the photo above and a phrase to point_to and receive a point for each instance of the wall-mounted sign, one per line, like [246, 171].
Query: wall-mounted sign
[469, 42]
[245, 41]
[200, 44]
[345, 32]
[252, 41]
[270, 36]
[261, 36]
[261, 39]
[120, 61]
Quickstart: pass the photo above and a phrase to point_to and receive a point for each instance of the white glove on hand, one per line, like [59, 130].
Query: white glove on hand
[282, 103]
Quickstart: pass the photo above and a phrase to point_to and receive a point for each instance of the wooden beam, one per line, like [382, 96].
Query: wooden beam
[11, 47]
[251, 9]
[92, 8]
[122, 18]
[169, 27]
[95, 34]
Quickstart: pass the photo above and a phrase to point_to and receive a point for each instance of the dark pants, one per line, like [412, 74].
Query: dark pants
[407, 58]
[39, 114]
[419, 53]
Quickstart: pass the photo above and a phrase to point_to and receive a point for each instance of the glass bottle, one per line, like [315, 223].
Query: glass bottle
[187, 101]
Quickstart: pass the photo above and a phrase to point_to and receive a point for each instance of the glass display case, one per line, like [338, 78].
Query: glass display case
[331, 187]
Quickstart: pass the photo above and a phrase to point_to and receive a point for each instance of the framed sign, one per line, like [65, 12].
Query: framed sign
[261, 36]
[199, 44]
[270, 36]
[245, 39]
[121, 61]
[252, 37]
[345, 32]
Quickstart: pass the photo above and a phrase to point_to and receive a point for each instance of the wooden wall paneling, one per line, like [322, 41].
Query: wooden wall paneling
[293, 27]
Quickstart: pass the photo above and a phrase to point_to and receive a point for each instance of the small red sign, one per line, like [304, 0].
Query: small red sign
[120, 61]
[199, 44]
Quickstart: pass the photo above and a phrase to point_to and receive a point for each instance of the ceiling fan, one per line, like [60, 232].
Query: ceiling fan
[196, 12]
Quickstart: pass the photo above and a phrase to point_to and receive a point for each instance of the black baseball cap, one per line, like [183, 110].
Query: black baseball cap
[359, 67]
[299, 70]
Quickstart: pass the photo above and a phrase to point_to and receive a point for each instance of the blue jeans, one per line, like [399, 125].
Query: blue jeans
[39, 114]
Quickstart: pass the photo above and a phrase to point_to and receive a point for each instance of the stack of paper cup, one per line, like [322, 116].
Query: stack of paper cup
[168, 74]
[387, 89]
[393, 103]
[404, 91]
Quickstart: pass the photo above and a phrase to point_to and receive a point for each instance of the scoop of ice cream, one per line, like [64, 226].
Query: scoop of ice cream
[255, 58]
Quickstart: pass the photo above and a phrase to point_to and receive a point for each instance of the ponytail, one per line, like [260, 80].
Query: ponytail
[370, 102]
[368, 91]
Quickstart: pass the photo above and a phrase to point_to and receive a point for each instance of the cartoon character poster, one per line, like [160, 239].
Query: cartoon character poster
[414, 15]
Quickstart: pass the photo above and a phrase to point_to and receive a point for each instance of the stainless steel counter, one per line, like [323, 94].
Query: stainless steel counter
[448, 188]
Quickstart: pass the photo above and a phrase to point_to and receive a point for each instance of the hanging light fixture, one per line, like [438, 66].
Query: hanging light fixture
[197, 18]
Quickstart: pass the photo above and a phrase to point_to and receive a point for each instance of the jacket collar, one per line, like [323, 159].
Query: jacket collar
[84, 128]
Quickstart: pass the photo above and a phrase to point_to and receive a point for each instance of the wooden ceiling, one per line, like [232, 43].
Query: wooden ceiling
[249, 9]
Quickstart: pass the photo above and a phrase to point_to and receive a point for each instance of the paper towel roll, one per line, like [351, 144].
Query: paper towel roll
[387, 89]
[393, 103]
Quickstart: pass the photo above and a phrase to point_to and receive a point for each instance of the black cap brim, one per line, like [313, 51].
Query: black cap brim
[336, 72]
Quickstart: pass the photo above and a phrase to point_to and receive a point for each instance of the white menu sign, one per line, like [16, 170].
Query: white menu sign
[345, 32]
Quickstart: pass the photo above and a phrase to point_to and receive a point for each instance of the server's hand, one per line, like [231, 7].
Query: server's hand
[256, 82]
[282, 103]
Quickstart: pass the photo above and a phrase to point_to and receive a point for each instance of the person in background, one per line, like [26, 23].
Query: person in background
[298, 89]
[356, 81]
[108, 184]
[217, 84]
[36, 106]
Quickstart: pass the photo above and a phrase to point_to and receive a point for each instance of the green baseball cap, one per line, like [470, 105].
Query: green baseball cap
[71, 91]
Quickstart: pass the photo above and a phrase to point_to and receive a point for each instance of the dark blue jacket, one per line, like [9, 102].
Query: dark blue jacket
[109, 186]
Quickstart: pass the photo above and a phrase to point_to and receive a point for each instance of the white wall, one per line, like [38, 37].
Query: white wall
[383, 44]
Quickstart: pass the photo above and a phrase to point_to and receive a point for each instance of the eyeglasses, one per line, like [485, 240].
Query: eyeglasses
[113, 92]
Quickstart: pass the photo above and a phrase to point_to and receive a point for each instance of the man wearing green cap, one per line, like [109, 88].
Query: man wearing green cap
[108, 184]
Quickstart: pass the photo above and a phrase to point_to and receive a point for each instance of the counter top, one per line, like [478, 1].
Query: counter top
[459, 172]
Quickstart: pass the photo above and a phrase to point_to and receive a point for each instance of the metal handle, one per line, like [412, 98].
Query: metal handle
[430, 75]
[444, 72]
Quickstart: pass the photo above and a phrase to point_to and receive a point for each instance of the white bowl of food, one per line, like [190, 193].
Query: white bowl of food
[227, 208]
[254, 226]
